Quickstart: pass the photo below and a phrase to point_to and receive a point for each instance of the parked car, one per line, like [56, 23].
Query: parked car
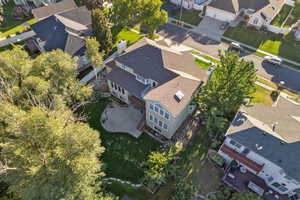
[273, 60]
[234, 46]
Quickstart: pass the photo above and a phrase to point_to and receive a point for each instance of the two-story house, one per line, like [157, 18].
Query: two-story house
[158, 80]
[262, 149]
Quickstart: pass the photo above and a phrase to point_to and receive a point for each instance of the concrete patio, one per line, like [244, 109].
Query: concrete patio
[122, 118]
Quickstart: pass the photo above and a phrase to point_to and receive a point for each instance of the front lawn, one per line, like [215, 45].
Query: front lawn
[282, 15]
[188, 16]
[128, 35]
[262, 95]
[202, 64]
[12, 25]
[276, 44]
[295, 15]
[124, 155]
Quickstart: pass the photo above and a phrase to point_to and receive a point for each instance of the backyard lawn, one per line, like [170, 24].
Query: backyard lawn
[202, 64]
[124, 155]
[276, 44]
[282, 15]
[262, 95]
[188, 16]
[12, 25]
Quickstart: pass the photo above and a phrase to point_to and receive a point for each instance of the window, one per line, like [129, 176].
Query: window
[282, 188]
[155, 120]
[161, 112]
[151, 117]
[167, 116]
[165, 126]
[112, 84]
[160, 124]
[119, 88]
[156, 109]
[151, 107]
[123, 91]
[246, 151]
[154, 84]
[234, 143]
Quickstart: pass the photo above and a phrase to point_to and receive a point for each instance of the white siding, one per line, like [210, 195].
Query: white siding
[119, 94]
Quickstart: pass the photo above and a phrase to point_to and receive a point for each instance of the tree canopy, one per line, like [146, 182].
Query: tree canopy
[1, 15]
[230, 84]
[245, 196]
[102, 30]
[47, 151]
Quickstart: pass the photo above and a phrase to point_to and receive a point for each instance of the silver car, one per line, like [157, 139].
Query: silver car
[273, 60]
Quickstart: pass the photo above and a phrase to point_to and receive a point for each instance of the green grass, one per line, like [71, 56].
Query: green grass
[189, 16]
[202, 64]
[120, 190]
[276, 44]
[205, 56]
[128, 35]
[124, 155]
[294, 15]
[262, 95]
[12, 25]
[282, 15]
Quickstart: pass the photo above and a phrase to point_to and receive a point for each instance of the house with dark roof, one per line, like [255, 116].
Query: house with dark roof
[65, 30]
[159, 81]
[259, 12]
[53, 8]
[262, 149]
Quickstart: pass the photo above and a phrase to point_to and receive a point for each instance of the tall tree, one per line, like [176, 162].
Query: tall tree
[1, 15]
[47, 152]
[230, 84]
[92, 52]
[152, 15]
[102, 30]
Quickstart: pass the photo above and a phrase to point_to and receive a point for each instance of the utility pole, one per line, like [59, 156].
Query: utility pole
[180, 17]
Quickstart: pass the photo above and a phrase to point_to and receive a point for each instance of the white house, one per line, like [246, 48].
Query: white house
[159, 81]
[265, 144]
[259, 11]
[191, 4]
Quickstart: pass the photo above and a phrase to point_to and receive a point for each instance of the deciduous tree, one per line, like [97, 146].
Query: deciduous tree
[92, 52]
[102, 30]
[1, 15]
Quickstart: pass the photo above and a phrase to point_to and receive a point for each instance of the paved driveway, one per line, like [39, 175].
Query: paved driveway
[116, 118]
[210, 28]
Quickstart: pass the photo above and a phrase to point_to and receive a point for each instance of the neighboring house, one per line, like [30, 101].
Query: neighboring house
[158, 80]
[65, 30]
[262, 149]
[260, 12]
[54, 8]
[191, 4]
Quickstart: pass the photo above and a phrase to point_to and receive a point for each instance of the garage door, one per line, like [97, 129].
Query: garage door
[219, 14]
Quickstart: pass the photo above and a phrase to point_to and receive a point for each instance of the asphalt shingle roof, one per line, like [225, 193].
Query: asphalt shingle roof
[253, 127]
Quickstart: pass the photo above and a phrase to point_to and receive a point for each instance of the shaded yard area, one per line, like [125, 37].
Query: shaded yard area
[12, 25]
[188, 16]
[276, 44]
[262, 95]
[282, 15]
[124, 155]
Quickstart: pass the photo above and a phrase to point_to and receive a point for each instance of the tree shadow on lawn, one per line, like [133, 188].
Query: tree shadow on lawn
[124, 155]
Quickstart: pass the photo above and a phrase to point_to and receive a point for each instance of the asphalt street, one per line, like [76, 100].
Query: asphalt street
[274, 73]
